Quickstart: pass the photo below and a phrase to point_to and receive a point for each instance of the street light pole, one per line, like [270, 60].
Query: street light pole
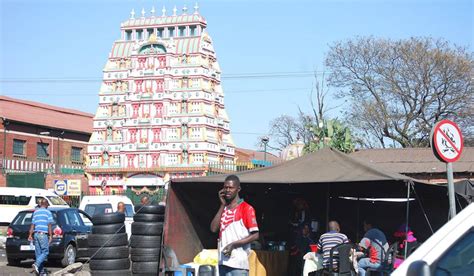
[265, 141]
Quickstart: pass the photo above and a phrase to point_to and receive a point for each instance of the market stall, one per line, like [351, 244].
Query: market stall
[324, 179]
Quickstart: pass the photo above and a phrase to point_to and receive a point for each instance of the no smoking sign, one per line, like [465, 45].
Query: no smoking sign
[446, 141]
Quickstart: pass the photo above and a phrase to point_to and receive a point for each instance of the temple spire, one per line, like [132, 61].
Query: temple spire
[163, 11]
[185, 10]
[132, 14]
[174, 11]
[152, 11]
[196, 8]
[143, 12]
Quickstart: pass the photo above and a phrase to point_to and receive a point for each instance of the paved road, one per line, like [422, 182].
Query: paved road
[25, 267]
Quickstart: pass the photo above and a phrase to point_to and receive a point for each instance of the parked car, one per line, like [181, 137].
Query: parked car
[96, 205]
[14, 200]
[449, 251]
[69, 236]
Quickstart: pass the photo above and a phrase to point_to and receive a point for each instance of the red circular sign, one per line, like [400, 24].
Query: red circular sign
[447, 141]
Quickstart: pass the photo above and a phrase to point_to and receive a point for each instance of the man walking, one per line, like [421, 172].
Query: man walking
[39, 231]
[329, 240]
[237, 225]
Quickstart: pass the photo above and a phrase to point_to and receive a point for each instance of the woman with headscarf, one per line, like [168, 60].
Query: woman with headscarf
[406, 241]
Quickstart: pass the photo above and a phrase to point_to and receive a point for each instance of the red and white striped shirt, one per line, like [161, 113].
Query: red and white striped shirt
[236, 224]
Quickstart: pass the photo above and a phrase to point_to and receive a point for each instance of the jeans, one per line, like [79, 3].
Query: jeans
[365, 263]
[41, 249]
[230, 271]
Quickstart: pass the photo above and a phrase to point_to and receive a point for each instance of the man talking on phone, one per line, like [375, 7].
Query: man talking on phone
[237, 225]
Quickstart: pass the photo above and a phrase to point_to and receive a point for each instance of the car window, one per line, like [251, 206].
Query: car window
[56, 200]
[128, 210]
[38, 199]
[73, 218]
[14, 200]
[97, 209]
[459, 259]
[85, 219]
[24, 218]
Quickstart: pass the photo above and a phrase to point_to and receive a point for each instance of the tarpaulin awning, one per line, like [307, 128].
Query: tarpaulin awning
[324, 166]
[322, 177]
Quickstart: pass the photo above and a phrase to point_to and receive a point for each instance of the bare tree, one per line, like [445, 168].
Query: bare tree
[400, 89]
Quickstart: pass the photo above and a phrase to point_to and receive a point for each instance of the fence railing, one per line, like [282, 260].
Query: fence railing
[23, 164]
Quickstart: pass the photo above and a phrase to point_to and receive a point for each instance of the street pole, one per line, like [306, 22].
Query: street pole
[452, 202]
[265, 154]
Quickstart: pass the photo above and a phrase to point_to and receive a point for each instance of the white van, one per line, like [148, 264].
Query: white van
[14, 200]
[449, 251]
[94, 205]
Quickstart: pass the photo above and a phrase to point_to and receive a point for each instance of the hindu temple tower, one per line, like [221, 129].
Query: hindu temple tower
[161, 111]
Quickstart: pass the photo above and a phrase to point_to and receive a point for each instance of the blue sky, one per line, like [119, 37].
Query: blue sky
[71, 39]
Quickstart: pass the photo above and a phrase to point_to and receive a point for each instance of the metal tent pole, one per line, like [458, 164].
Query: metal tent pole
[409, 183]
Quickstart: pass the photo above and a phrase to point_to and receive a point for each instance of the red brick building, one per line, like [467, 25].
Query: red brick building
[40, 143]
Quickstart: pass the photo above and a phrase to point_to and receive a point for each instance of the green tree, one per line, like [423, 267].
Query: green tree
[331, 133]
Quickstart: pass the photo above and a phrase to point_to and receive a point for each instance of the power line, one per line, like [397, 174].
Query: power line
[299, 74]
[83, 93]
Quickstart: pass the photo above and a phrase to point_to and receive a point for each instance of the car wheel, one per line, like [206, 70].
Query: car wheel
[13, 262]
[145, 241]
[101, 253]
[147, 228]
[107, 240]
[110, 218]
[145, 267]
[115, 264]
[108, 228]
[69, 255]
[150, 209]
[148, 217]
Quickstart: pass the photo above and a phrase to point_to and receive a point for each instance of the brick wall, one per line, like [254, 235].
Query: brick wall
[30, 134]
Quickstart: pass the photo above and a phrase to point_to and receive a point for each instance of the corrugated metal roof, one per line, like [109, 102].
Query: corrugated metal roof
[45, 115]
[414, 160]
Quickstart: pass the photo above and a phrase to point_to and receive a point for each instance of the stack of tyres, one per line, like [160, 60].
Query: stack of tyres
[108, 246]
[145, 242]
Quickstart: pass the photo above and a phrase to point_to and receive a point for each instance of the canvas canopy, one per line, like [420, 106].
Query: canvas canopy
[321, 178]
[325, 166]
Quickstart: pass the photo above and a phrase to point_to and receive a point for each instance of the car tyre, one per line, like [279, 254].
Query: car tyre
[114, 264]
[147, 228]
[145, 254]
[137, 241]
[145, 267]
[107, 240]
[122, 272]
[107, 253]
[108, 228]
[13, 262]
[69, 255]
[148, 217]
[110, 218]
[150, 209]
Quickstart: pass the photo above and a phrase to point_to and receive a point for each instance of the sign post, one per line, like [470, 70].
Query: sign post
[447, 144]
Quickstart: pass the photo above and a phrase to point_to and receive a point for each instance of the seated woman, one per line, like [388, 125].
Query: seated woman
[404, 238]
[299, 249]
